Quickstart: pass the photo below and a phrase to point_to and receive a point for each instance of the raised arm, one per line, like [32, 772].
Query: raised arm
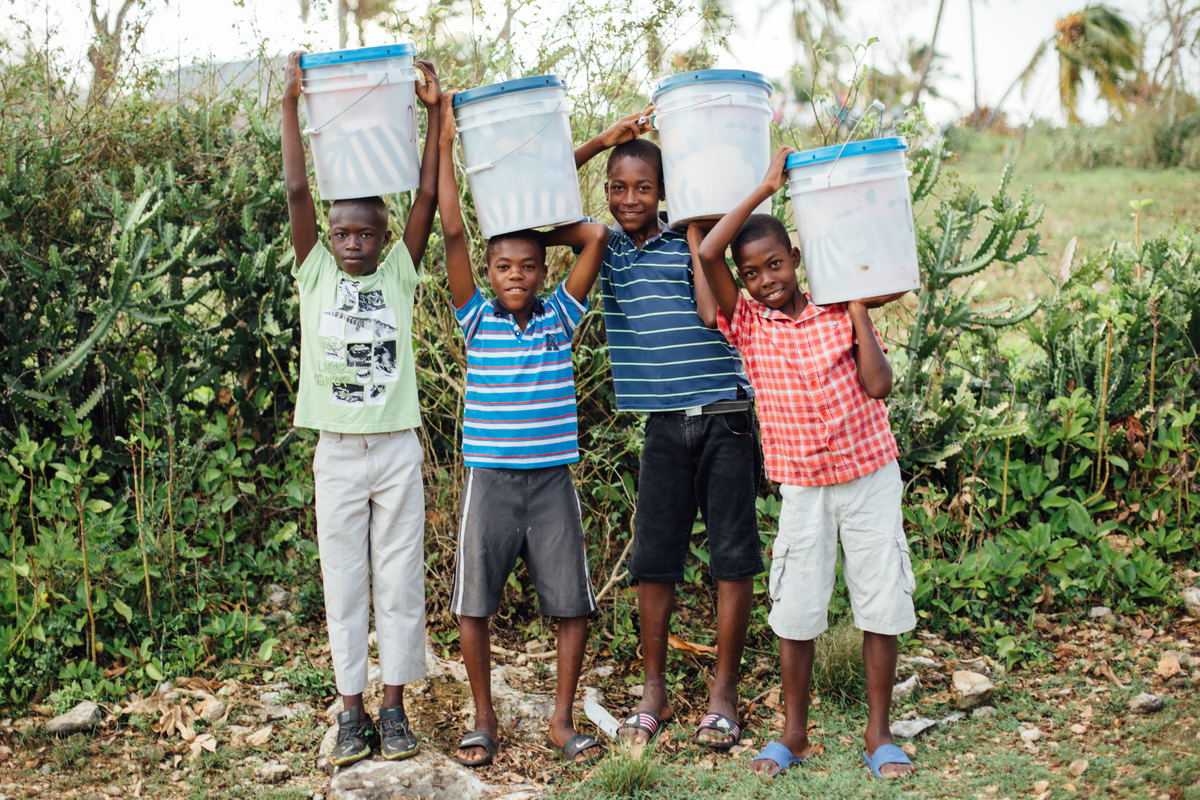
[420, 217]
[302, 212]
[458, 257]
[874, 371]
[626, 128]
[591, 239]
[712, 249]
[706, 304]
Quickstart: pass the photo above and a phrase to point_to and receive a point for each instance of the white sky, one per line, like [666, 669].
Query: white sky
[1007, 33]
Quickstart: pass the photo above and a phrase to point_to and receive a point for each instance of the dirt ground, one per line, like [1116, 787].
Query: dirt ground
[1077, 697]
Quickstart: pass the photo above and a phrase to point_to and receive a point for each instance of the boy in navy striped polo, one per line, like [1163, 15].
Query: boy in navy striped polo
[701, 448]
[519, 436]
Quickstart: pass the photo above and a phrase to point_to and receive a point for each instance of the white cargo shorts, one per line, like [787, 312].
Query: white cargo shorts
[865, 516]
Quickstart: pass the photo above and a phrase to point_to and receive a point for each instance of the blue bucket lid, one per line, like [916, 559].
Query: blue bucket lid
[397, 50]
[707, 75]
[864, 148]
[508, 87]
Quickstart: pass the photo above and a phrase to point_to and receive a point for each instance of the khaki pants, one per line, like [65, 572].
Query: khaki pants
[370, 507]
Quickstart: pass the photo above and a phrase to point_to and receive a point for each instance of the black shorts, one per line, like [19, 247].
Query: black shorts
[710, 462]
[531, 513]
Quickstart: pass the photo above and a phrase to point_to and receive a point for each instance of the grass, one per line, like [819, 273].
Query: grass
[1090, 205]
[838, 672]
[1128, 757]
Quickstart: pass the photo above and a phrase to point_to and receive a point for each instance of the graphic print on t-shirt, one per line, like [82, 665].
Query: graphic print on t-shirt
[359, 335]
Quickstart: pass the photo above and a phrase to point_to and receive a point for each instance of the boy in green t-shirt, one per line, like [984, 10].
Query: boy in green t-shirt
[358, 387]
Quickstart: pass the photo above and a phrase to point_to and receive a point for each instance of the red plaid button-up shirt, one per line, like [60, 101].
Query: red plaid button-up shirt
[818, 425]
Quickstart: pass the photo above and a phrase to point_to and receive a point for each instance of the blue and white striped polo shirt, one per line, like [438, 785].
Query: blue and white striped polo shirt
[520, 405]
[664, 358]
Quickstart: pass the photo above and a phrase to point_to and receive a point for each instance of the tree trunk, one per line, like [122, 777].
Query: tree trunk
[974, 63]
[916, 98]
[105, 52]
[343, 34]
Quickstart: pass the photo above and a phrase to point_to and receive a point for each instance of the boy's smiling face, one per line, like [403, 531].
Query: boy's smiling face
[515, 271]
[633, 191]
[767, 268]
[357, 237]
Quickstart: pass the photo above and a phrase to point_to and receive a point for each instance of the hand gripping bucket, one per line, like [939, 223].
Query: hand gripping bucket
[714, 128]
[520, 163]
[362, 122]
[854, 214]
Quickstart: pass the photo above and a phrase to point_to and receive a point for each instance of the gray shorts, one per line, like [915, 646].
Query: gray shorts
[531, 513]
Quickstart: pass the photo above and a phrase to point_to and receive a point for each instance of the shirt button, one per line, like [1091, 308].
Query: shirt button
[813, 384]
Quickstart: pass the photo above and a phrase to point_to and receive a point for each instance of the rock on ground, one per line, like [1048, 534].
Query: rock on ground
[1145, 703]
[971, 689]
[1191, 600]
[274, 772]
[908, 728]
[82, 717]
[902, 691]
[427, 775]
[212, 709]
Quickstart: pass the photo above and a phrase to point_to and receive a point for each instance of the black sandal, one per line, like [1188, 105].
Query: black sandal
[477, 739]
[721, 724]
[577, 744]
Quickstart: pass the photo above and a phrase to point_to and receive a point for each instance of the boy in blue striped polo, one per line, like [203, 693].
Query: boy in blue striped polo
[701, 448]
[519, 436]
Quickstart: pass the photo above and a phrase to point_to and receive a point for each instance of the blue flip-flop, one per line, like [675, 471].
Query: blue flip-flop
[885, 754]
[780, 754]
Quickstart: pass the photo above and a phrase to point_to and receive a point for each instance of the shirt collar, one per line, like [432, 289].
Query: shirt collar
[811, 310]
[498, 310]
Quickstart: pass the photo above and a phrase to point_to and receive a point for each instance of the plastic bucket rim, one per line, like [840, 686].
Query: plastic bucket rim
[405, 79]
[554, 106]
[853, 180]
[353, 55]
[700, 76]
[508, 88]
[833, 152]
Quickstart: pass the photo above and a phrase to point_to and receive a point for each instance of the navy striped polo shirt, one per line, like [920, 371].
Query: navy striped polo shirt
[663, 356]
[520, 404]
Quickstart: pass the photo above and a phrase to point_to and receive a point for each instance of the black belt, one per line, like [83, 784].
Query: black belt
[719, 407]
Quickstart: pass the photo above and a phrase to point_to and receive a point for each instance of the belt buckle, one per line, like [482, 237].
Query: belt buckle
[694, 411]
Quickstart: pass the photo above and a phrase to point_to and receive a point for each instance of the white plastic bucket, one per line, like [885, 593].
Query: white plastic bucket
[854, 214]
[362, 122]
[714, 129]
[520, 163]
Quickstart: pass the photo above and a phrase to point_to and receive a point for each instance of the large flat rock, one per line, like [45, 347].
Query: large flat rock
[427, 776]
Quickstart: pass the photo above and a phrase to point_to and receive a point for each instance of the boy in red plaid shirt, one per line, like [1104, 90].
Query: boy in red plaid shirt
[820, 375]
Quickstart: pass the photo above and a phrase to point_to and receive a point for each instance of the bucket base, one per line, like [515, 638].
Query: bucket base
[845, 296]
[562, 224]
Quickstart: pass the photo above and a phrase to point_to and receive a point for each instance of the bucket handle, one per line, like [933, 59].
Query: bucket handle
[654, 117]
[489, 164]
[877, 107]
[316, 130]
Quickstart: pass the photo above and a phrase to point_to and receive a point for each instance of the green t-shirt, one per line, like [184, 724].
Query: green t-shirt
[356, 356]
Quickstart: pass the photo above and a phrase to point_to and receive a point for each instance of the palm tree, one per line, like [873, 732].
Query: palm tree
[1100, 41]
[1097, 40]
[937, 24]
